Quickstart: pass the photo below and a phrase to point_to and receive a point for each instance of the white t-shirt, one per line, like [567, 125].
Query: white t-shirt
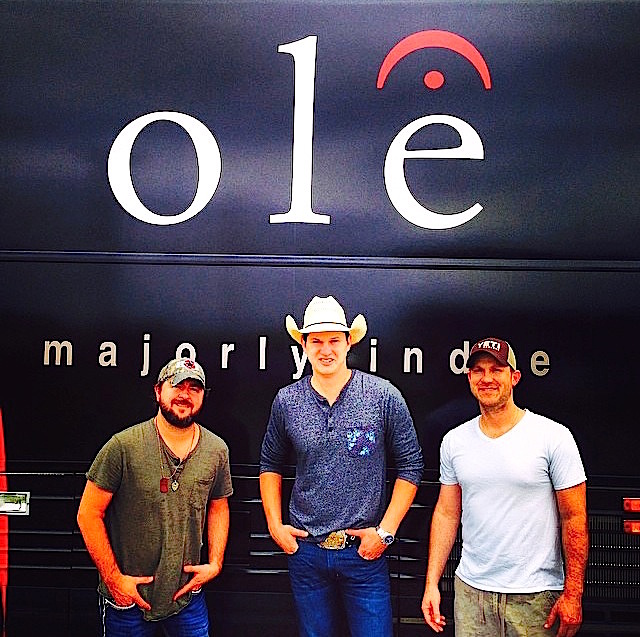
[511, 540]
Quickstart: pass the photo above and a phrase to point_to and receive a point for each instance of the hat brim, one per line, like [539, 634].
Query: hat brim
[176, 379]
[357, 330]
[506, 363]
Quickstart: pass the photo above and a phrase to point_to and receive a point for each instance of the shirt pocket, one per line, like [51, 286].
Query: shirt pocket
[361, 441]
[199, 496]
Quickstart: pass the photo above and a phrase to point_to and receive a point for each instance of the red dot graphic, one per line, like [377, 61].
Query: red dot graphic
[434, 80]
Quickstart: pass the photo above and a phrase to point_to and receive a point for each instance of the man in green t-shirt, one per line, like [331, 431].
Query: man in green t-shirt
[150, 491]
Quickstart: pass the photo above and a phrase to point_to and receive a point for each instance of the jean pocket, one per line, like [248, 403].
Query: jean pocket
[115, 606]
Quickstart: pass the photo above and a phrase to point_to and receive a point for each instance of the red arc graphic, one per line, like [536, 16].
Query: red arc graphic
[439, 40]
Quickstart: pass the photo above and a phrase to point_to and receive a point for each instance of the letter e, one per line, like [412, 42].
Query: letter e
[395, 180]
[540, 363]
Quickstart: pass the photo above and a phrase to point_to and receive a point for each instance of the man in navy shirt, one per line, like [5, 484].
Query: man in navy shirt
[341, 423]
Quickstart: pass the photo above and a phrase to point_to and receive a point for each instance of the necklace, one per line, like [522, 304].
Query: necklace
[173, 478]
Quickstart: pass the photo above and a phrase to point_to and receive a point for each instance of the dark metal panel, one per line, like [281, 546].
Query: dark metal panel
[558, 126]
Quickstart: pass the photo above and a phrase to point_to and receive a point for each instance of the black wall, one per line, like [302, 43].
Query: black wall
[551, 262]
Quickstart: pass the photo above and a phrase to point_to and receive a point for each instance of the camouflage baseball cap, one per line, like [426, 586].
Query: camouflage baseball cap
[180, 369]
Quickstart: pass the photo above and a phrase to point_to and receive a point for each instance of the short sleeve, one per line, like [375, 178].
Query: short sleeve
[447, 472]
[565, 465]
[106, 469]
[222, 487]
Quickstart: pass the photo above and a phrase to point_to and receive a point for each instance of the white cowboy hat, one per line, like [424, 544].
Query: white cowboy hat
[325, 314]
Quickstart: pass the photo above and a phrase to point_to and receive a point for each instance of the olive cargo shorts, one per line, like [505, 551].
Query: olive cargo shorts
[484, 614]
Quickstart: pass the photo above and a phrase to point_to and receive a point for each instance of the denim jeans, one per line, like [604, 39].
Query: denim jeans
[191, 621]
[321, 579]
[484, 614]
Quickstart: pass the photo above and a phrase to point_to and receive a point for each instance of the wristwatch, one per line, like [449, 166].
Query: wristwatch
[385, 537]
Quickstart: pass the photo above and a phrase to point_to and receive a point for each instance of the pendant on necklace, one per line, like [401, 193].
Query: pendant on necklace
[174, 485]
[164, 485]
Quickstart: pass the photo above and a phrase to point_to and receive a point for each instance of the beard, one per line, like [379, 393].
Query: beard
[172, 417]
[496, 401]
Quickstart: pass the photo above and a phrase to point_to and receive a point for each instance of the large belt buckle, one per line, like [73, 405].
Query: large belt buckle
[335, 540]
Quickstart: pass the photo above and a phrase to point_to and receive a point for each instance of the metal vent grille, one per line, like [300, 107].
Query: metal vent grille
[614, 561]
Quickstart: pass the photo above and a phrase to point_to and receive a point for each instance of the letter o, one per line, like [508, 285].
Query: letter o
[191, 351]
[207, 155]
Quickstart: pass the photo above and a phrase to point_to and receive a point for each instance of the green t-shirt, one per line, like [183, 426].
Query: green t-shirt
[156, 533]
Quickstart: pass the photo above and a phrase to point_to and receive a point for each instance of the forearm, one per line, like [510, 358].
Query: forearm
[572, 506]
[217, 530]
[271, 495]
[444, 528]
[575, 543]
[401, 498]
[94, 534]
[442, 537]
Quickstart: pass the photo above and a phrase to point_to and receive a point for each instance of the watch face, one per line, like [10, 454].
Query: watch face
[385, 537]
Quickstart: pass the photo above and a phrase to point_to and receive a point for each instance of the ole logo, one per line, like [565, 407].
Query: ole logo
[470, 147]
[300, 210]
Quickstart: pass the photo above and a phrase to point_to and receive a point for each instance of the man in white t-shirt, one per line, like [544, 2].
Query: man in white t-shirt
[516, 481]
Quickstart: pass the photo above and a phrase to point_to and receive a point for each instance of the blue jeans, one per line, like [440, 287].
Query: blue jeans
[191, 621]
[320, 578]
